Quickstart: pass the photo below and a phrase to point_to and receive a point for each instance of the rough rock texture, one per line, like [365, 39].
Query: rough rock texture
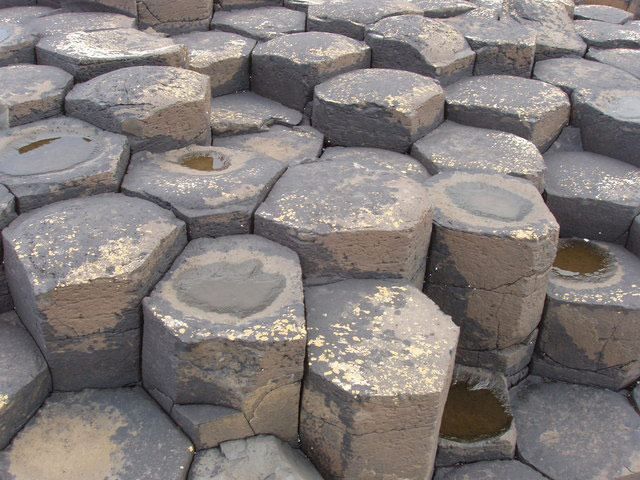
[379, 363]
[124, 7]
[78, 270]
[287, 69]
[493, 470]
[21, 15]
[58, 159]
[7, 215]
[115, 433]
[528, 108]
[78, 22]
[606, 35]
[158, 108]
[171, 17]
[260, 23]
[214, 190]
[421, 45]
[626, 59]
[602, 13]
[454, 147]
[226, 327]
[371, 218]
[16, 45]
[353, 109]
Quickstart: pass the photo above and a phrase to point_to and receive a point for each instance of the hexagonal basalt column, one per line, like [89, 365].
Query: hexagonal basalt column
[377, 108]
[171, 17]
[591, 326]
[33, 92]
[158, 108]
[493, 245]
[226, 327]
[287, 69]
[214, 190]
[421, 45]
[78, 22]
[379, 364]
[78, 270]
[16, 45]
[7, 215]
[260, 23]
[528, 108]
[86, 55]
[115, 433]
[371, 218]
[58, 159]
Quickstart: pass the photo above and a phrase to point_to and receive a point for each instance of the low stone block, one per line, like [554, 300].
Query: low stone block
[602, 13]
[607, 35]
[170, 17]
[68, 22]
[16, 45]
[626, 59]
[261, 24]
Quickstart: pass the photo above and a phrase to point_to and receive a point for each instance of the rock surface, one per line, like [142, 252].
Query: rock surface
[260, 24]
[16, 45]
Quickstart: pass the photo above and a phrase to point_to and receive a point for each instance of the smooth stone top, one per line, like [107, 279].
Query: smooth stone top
[492, 470]
[76, 22]
[626, 59]
[263, 23]
[29, 83]
[602, 13]
[622, 105]
[12, 35]
[445, 8]
[208, 48]
[608, 35]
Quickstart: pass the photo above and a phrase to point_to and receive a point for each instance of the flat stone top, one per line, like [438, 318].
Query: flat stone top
[11, 34]
[490, 204]
[261, 23]
[344, 195]
[522, 97]
[106, 434]
[363, 12]
[26, 83]
[594, 32]
[602, 13]
[206, 48]
[444, 8]
[622, 105]
[626, 59]
[84, 239]
[375, 338]
[395, 90]
[75, 22]
[310, 47]
[7, 208]
[478, 29]
[20, 15]
[240, 287]
[489, 470]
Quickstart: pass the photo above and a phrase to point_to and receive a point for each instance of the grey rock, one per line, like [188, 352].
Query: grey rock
[421, 45]
[115, 433]
[16, 45]
[214, 190]
[21, 15]
[232, 4]
[607, 35]
[224, 57]
[262, 23]
[635, 395]
[569, 140]
[7, 215]
[371, 345]
[633, 243]
[158, 108]
[33, 92]
[78, 22]
[592, 196]
[24, 382]
[171, 17]
[493, 470]
[78, 270]
[531, 109]
[602, 13]
[626, 59]
[444, 8]
[286, 69]
[124, 7]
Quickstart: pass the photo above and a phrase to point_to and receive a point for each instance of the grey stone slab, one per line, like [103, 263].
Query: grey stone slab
[261, 24]
[354, 108]
[86, 55]
[7, 215]
[573, 431]
[592, 196]
[224, 57]
[115, 433]
[569, 140]
[232, 4]
[633, 243]
[371, 218]
[607, 35]
[16, 45]
[371, 346]
[492, 470]
[421, 45]
[626, 59]
[21, 15]
[214, 190]
[58, 159]
[68, 22]
[455, 147]
[33, 92]
[286, 69]
[124, 7]
[444, 8]
[602, 13]
[78, 270]
[24, 382]
[531, 109]
[158, 108]
[226, 327]
[170, 17]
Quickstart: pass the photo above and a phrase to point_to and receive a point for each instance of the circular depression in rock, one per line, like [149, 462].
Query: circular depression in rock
[583, 260]
[489, 201]
[626, 107]
[205, 162]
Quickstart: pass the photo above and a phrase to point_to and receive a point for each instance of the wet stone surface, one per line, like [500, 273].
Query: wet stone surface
[16, 45]
[260, 23]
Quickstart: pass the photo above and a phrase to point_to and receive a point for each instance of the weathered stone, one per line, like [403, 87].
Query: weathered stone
[248, 112]
[224, 57]
[58, 159]
[635, 396]
[591, 326]
[592, 196]
[379, 363]
[371, 218]
[24, 379]
[287, 69]
[354, 17]
[78, 22]
[210, 425]
[493, 245]
[454, 147]
[78, 270]
[16, 45]
[33, 92]
[171, 17]
[626, 59]
[124, 7]
[158, 108]
[354, 109]
[528, 108]
[231, 4]
[255, 458]
[633, 244]
[86, 55]
[290, 146]
[607, 35]
[7, 215]
[226, 327]
[115, 433]
[573, 431]
[444, 8]
[260, 23]
[21, 15]
[569, 140]
[492, 470]
[214, 190]
[602, 13]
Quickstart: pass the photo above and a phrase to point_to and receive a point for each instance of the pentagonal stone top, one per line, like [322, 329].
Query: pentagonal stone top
[602, 13]
[78, 22]
[20, 15]
[607, 35]
[262, 23]
[626, 59]
[111, 433]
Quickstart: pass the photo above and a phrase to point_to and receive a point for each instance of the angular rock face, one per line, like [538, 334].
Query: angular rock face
[226, 327]
[171, 17]
[379, 362]
[124, 7]
[626, 59]
[16, 45]
[260, 23]
[7, 215]
[606, 35]
[602, 13]
[78, 270]
[61, 23]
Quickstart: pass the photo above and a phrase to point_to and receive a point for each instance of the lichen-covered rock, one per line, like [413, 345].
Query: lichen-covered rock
[607, 35]
[175, 17]
[626, 59]
[68, 22]
[262, 23]
[16, 45]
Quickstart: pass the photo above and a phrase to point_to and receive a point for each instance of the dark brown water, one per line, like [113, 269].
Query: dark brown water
[87, 139]
[582, 259]
[205, 163]
[473, 415]
[38, 144]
